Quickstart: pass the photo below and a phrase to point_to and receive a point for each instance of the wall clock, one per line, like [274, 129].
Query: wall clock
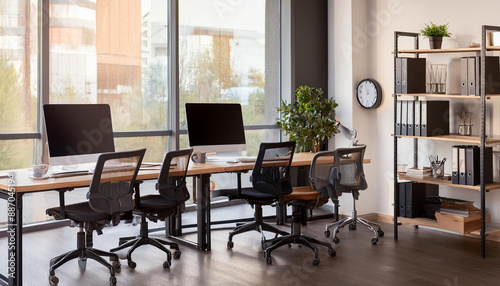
[369, 93]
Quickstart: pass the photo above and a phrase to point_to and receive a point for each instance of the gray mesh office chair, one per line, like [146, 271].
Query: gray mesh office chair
[109, 196]
[341, 171]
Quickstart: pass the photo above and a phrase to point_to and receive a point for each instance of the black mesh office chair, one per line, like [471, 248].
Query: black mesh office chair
[271, 182]
[110, 195]
[173, 193]
[341, 171]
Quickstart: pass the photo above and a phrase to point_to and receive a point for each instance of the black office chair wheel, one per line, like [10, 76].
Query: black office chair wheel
[380, 233]
[352, 226]
[315, 262]
[53, 280]
[112, 281]
[132, 264]
[177, 254]
[82, 263]
[230, 244]
[117, 266]
[327, 233]
[336, 240]
[332, 252]
[166, 265]
[374, 241]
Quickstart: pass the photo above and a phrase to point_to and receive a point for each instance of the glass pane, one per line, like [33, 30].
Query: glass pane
[16, 154]
[229, 52]
[18, 65]
[156, 146]
[112, 52]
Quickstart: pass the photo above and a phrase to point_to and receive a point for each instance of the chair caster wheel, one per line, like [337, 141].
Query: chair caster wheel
[332, 252]
[336, 240]
[380, 233]
[352, 226]
[374, 241]
[82, 263]
[327, 233]
[315, 262]
[166, 265]
[132, 264]
[230, 244]
[112, 281]
[53, 280]
[117, 266]
[177, 254]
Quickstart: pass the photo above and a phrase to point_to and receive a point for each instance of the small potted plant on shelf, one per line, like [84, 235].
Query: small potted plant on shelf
[310, 119]
[435, 33]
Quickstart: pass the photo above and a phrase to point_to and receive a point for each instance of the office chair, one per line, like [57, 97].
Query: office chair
[301, 199]
[110, 195]
[173, 193]
[270, 182]
[341, 171]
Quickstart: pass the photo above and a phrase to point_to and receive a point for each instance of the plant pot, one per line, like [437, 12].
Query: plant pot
[435, 42]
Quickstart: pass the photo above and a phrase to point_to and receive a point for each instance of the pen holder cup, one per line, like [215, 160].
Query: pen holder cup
[437, 170]
[465, 129]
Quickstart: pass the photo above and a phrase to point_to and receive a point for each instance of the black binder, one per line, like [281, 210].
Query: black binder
[411, 118]
[416, 121]
[435, 118]
[404, 117]
[454, 164]
[491, 75]
[462, 163]
[402, 199]
[398, 75]
[415, 199]
[398, 117]
[464, 83]
[412, 75]
[472, 161]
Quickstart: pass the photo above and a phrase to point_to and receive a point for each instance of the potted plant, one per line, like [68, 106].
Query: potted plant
[435, 33]
[310, 119]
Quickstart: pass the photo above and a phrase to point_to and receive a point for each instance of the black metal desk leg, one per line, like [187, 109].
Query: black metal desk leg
[203, 211]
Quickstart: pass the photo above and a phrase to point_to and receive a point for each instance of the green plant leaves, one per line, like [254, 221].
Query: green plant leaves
[433, 30]
[310, 119]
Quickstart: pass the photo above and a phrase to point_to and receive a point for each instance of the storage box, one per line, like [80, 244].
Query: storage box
[459, 224]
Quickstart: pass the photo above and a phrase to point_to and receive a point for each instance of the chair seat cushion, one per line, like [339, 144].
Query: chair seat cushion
[303, 194]
[157, 202]
[81, 212]
[250, 194]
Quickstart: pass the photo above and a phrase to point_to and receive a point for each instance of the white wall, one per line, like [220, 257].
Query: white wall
[366, 27]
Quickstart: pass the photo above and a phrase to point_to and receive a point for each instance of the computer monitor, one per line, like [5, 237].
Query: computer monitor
[215, 127]
[78, 133]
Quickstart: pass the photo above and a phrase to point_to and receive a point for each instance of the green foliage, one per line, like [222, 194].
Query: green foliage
[310, 119]
[433, 30]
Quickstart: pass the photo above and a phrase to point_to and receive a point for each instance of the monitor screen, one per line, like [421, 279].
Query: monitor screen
[215, 127]
[78, 133]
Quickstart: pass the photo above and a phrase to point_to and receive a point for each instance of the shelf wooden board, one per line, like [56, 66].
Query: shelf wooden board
[455, 138]
[419, 221]
[431, 180]
[438, 51]
[434, 95]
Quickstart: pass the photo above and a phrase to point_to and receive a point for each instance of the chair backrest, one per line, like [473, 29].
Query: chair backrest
[271, 172]
[339, 171]
[172, 179]
[112, 184]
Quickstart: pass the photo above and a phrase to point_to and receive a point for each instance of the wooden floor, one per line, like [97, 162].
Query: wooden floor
[420, 257]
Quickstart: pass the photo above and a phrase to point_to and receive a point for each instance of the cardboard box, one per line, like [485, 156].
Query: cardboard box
[459, 224]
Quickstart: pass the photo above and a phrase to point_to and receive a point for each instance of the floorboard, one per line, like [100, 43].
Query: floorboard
[420, 257]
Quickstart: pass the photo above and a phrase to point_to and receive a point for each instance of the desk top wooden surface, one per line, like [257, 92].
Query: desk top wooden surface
[20, 182]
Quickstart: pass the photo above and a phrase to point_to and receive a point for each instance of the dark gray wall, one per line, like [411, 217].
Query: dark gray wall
[310, 38]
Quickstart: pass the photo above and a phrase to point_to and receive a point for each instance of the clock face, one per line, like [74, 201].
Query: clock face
[369, 93]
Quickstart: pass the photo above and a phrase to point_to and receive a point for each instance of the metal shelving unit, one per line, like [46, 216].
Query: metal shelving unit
[481, 140]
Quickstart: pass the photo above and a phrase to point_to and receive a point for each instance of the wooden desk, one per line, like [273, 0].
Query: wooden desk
[12, 190]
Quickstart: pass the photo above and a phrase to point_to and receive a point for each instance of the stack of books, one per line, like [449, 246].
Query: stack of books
[418, 173]
[457, 207]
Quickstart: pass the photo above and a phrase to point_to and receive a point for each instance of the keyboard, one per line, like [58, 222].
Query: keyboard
[246, 159]
[70, 173]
